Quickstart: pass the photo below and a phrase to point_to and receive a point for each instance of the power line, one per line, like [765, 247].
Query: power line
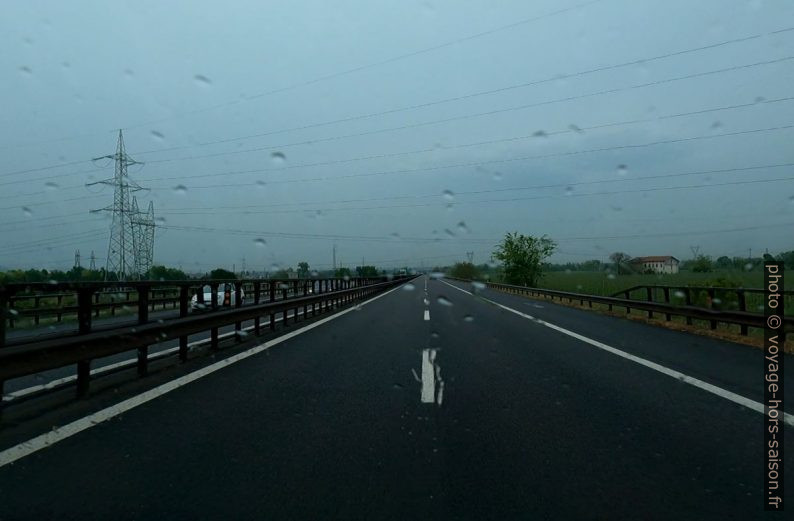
[476, 115]
[476, 94]
[500, 161]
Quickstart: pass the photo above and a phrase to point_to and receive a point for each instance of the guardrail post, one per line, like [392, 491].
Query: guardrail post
[272, 290]
[688, 302]
[84, 326]
[36, 304]
[742, 307]
[257, 287]
[96, 301]
[3, 318]
[184, 294]
[83, 377]
[295, 295]
[143, 318]
[214, 304]
[238, 301]
[666, 291]
[649, 297]
[710, 293]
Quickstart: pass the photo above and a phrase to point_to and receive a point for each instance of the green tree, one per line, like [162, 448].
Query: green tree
[465, 270]
[621, 260]
[342, 272]
[701, 264]
[303, 270]
[522, 257]
[220, 273]
[165, 273]
[366, 271]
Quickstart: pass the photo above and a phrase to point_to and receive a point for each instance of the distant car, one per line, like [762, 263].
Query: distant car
[195, 305]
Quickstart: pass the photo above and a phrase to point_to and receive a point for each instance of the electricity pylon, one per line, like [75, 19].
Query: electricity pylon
[143, 237]
[121, 247]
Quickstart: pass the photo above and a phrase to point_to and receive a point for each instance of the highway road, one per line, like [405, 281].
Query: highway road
[422, 403]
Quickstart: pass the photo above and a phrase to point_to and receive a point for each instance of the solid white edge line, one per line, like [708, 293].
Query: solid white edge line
[700, 384]
[42, 441]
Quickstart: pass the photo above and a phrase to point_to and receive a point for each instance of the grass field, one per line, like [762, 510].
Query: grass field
[601, 283]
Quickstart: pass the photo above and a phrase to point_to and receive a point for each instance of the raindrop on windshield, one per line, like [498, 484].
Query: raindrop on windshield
[497, 176]
[24, 69]
[468, 318]
[27, 211]
[540, 133]
[409, 287]
[437, 275]
[623, 170]
[611, 276]
[202, 80]
[260, 184]
[462, 228]
[180, 189]
[278, 158]
[260, 242]
[49, 185]
[448, 195]
[575, 128]
[568, 190]
[444, 301]
[157, 135]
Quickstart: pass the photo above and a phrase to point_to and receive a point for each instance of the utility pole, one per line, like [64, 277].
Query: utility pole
[121, 259]
[92, 265]
[76, 258]
[695, 250]
[334, 258]
[470, 256]
[243, 268]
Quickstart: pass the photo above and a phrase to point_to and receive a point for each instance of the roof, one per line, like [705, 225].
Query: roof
[654, 258]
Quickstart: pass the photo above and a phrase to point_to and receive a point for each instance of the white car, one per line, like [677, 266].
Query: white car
[231, 301]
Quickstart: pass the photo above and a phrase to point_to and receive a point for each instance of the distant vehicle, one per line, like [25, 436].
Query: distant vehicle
[226, 297]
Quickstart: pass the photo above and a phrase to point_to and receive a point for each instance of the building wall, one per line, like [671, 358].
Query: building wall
[670, 267]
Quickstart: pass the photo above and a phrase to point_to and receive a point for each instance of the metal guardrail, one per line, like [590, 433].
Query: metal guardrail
[114, 296]
[742, 318]
[36, 356]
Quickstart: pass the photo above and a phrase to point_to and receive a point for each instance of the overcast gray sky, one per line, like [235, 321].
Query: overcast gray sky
[234, 108]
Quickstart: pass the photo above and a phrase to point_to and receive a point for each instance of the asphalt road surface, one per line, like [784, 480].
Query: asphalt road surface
[430, 405]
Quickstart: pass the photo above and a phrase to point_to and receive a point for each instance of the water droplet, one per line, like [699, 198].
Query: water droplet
[748, 266]
[568, 190]
[409, 287]
[129, 73]
[49, 185]
[158, 135]
[576, 128]
[468, 318]
[240, 333]
[278, 158]
[716, 125]
[760, 99]
[24, 69]
[540, 133]
[437, 275]
[27, 211]
[39, 377]
[611, 276]
[791, 199]
[478, 286]
[13, 312]
[462, 228]
[623, 170]
[497, 176]
[434, 334]
[444, 301]
[260, 184]
[202, 80]
[449, 232]
[397, 386]
[395, 235]
[679, 294]
[448, 195]
[616, 208]
[66, 65]
[357, 308]
[180, 189]
[260, 242]
[159, 221]
[717, 301]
